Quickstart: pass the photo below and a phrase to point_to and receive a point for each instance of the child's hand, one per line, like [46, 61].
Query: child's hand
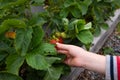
[74, 54]
[79, 57]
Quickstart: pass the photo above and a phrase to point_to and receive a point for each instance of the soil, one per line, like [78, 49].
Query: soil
[113, 46]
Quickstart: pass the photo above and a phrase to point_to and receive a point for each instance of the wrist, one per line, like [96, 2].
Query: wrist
[94, 62]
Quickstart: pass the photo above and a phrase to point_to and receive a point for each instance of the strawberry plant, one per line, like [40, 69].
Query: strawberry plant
[27, 39]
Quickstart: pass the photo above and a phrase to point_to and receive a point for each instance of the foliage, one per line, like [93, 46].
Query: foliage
[25, 51]
[108, 50]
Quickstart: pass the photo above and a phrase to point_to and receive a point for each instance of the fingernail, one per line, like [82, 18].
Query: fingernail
[57, 43]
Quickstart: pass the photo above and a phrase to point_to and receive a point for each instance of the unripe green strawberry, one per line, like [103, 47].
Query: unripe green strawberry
[57, 34]
[63, 35]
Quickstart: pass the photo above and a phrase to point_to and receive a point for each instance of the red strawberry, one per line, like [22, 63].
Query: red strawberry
[53, 41]
[60, 40]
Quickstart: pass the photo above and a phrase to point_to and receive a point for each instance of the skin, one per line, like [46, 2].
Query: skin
[78, 57]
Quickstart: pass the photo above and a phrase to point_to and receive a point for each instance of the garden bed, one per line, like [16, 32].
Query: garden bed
[97, 44]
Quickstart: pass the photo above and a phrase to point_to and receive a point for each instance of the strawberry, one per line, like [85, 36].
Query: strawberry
[60, 40]
[54, 41]
[11, 35]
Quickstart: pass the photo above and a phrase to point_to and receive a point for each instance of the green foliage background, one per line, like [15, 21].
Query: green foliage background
[30, 56]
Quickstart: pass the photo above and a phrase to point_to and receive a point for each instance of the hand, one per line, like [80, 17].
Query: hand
[79, 57]
[74, 54]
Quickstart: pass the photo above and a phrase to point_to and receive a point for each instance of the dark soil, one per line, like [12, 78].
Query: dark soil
[111, 47]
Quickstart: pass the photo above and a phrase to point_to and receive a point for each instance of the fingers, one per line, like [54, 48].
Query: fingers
[62, 51]
[62, 46]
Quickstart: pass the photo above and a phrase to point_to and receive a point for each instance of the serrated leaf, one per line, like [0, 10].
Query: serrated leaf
[6, 24]
[98, 15]
[97, 31]
[68, 3]
[11, 4]
[38, 34]
[81, 25]
[53, 73]
[37, 61]
[2, 55]
[3, 46]
[75, 12]
[64, 12]
[84, 8]
[88, 26]
[45, 49]
[48, 49]
[23, 39]
[6, 48]
[85, 36]
[14, 63]
[104, 26]
[51, 60]
[37, 20]
[9, 76]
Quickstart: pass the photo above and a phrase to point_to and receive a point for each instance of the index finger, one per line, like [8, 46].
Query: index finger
[62, 46]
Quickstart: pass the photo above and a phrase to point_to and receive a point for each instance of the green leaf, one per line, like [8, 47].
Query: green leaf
[37, 20]
[83, 8]
[9, 76]
[118, 27]
[37, 37]
[3, 46]
[6, 24]
[104, 26]
[88, 26]
[82, 26]
[108, 50]
[51, 60]
[12, 4]
[68, 3]
[97, 31]
[117, 2]
[45, 49]
[75, 11]
[23, 39]
[99, 0]
[64, 12]
[98, 16]
[79, 22]
[88, 2]
[37, 61]
[2, 56]
[38, 2]
[85, 36]
[53, 73]
[14, 23]
[14, 63]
